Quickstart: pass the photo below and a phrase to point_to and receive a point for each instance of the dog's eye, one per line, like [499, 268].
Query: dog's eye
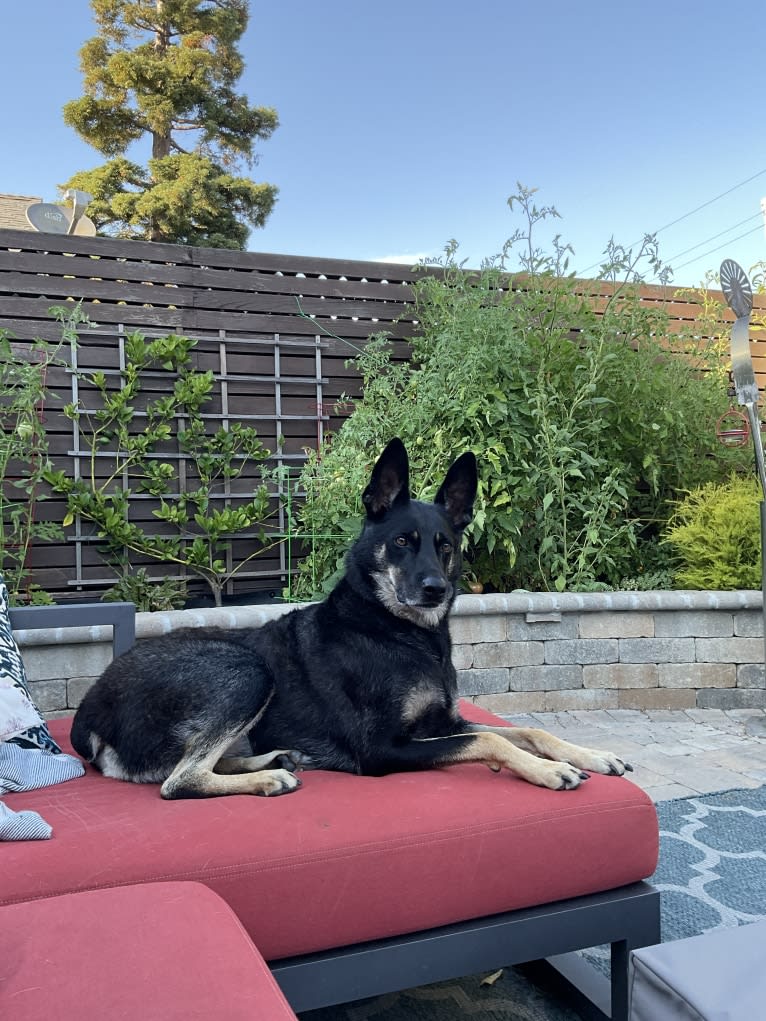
[446, 547]
[401, 540]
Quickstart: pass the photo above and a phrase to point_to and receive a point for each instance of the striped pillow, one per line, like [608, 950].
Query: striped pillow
[20, 719]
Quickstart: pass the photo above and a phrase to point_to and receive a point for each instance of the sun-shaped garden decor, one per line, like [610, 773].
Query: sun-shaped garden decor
[736, 288]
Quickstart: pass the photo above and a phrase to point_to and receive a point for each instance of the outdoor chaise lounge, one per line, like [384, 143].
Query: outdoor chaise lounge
[351, 887]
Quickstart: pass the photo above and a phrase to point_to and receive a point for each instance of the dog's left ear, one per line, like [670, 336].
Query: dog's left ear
[458, 491]
[390, 481]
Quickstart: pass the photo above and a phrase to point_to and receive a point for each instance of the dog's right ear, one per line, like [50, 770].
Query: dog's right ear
[389, 483]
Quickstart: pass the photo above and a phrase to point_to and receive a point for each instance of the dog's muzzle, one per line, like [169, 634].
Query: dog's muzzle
[434, 590]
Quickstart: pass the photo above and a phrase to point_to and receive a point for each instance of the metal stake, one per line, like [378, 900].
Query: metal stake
[739, 297]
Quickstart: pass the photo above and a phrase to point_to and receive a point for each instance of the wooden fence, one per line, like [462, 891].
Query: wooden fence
[276, 330]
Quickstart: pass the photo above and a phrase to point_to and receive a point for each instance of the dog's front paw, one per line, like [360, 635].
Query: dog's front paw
[557, 776]
[570, 777]
[602, 762]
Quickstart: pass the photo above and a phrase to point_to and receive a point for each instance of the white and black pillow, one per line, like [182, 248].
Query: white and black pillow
[20, 720]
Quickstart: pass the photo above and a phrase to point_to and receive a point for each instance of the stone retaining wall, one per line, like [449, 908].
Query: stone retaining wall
[515, 653]
[532, 652]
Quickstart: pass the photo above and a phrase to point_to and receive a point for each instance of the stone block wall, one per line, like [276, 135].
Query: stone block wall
[516, 653]
[542, 652]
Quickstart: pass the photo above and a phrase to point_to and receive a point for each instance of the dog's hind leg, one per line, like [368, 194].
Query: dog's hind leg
[195, 776]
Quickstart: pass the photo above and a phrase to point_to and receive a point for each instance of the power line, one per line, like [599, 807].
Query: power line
[718, 248]
[709, 202]
[712, 238]
[691, 212]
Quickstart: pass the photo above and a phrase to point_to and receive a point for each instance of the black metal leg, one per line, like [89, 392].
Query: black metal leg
[620, 958]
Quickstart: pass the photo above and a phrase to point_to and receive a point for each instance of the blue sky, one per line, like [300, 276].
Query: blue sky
[409, 123]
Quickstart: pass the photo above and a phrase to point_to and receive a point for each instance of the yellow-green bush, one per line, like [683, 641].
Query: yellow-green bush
[715, 536]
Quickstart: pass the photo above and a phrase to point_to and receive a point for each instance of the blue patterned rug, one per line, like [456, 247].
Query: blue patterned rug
[712, 871]
[712, 874]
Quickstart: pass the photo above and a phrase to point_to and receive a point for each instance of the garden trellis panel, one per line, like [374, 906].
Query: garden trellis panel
[276, 330]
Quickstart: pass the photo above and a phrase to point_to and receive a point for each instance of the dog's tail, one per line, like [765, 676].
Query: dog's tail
[85, 742]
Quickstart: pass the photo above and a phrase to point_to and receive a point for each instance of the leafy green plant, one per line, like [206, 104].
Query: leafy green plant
[715, 535]
[584, 423]
[652, 566]
[24, 460]
[126, 461]
[148, 594]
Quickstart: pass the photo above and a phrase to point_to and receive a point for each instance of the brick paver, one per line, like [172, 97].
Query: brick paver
[675, 753]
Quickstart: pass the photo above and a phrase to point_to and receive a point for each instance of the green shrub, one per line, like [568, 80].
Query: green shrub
[715, 534]
[585, 426]
[149, 594]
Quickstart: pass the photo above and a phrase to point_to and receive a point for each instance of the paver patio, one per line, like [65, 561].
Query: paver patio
[675, 753]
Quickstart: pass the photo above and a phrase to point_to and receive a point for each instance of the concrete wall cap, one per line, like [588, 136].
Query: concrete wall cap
[62, 635]
[158, 623]
[579, 602]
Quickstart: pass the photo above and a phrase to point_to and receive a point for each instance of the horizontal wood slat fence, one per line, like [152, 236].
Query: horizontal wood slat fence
[276, 331]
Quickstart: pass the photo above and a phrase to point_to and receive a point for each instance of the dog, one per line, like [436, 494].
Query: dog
[361, 683]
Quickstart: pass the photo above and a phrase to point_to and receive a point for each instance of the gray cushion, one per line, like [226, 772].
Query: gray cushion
[719, 976]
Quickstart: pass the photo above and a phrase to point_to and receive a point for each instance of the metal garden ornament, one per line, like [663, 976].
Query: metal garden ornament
[739, 297]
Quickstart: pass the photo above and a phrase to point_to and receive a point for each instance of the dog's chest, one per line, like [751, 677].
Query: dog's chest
[426, 696]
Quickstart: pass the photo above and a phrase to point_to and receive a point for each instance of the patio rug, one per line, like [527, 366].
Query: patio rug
[712, 874]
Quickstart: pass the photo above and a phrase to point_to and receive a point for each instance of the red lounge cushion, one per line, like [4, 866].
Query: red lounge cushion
[161, 952]
[345, 858]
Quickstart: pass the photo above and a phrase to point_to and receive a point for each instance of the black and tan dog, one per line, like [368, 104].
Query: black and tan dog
[362, 682]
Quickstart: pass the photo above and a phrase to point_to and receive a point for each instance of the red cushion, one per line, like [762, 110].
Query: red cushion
[345, 858]
[161, 952]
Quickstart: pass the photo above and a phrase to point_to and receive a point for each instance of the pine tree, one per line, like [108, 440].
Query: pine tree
[167, 70]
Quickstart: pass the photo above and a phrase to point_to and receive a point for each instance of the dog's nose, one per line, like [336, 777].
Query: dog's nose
[434, 587]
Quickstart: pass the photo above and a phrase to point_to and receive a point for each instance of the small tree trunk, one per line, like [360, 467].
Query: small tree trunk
[160, 142]
[160, 146]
